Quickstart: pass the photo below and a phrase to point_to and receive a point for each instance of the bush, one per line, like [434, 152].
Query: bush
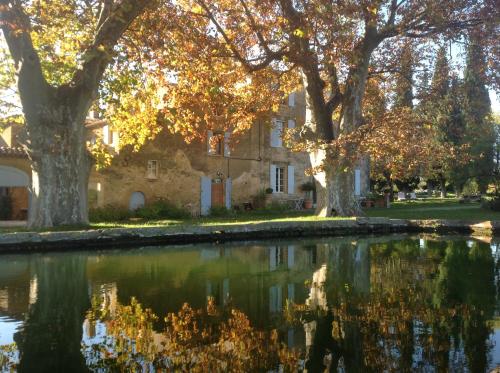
[493, 204]
[259, 200]
[276, 207]
[5, 207]
[162, 209]
[221, 211]
[109, 213]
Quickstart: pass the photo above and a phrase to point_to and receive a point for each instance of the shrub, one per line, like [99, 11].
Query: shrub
[276, 207]
[109, 213]
[162, 209]
[493, 204]
[308, 186]
[259, 200]
[221, 211]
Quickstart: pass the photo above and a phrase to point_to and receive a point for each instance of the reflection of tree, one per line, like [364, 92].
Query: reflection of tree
[466, 280]
[432, 303]
[51, 336]
[208, 340]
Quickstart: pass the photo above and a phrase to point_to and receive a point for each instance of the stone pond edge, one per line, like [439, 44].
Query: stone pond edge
[22, 242]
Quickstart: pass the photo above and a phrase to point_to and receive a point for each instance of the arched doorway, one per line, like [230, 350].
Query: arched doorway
[137, 200]
[14, 195]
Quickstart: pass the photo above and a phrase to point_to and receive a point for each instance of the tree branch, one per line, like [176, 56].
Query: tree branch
[15, 25]
[98, 55]
[269, 57]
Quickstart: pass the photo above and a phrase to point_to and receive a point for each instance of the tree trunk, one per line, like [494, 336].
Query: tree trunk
[442, 186]
[334, 188]
[60, 170]
[390, 185]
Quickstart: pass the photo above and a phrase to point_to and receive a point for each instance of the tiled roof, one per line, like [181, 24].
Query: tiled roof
[12, 152]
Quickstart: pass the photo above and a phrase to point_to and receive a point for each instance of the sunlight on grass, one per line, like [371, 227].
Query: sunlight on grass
[432, 208]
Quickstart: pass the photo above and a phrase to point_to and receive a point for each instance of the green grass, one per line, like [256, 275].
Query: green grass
[421, 209]
[435, 208]
[252, 217]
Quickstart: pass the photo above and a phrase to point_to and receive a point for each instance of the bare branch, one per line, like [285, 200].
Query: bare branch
[265, 61]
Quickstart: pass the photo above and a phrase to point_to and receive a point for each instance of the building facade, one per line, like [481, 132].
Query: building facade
[219, 171]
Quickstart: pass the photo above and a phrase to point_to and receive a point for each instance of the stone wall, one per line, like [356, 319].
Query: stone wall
[181, 166]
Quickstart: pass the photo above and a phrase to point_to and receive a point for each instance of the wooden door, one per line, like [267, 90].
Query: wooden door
[218, 196]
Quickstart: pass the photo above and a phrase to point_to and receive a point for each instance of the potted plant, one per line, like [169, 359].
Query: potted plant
[308, 188]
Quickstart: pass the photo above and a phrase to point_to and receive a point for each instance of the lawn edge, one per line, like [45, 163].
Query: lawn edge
[24, 242]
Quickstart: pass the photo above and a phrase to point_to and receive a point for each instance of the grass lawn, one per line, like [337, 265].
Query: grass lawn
[435, 208]
[251, 217]
[421, 209]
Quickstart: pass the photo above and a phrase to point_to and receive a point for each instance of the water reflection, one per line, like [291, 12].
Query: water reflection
[343, 304]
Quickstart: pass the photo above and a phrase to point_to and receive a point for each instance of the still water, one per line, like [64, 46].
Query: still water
[347, 304]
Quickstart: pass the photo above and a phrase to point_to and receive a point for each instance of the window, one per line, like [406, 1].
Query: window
[282, 175]
[276, 134]
[280, 179]
[291, 99]
[152, 171]
[218, 143]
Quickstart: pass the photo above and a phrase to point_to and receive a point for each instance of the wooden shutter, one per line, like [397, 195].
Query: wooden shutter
[206, 195]
[357, 182]
[229, 187]
[291, 179]
[272, 178]
[105, 134]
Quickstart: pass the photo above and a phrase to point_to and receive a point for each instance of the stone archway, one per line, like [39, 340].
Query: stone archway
[14, 194]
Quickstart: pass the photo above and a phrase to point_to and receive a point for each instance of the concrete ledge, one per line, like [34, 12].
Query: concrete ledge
[22, 242]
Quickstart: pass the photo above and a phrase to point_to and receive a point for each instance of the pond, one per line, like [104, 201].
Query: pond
[348, 304]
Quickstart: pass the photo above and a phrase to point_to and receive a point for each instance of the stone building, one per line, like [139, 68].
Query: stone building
[218, 171]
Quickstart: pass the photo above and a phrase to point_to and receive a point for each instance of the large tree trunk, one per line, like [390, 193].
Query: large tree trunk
[60, 173]
[334, 176]
[55, 116]
[334, 188]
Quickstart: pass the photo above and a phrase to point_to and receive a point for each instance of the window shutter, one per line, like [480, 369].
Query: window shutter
[291, 99]
[105, 134]
[272, 178]
[115, 139]
[291, 180]
[357, 182]
[229, 187]
[206, 195]
[210, 150]
[227, 149]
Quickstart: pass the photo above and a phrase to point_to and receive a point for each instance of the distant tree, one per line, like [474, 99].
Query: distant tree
[477, 114]
[496, 152]
[440, 107]
[404, 78]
